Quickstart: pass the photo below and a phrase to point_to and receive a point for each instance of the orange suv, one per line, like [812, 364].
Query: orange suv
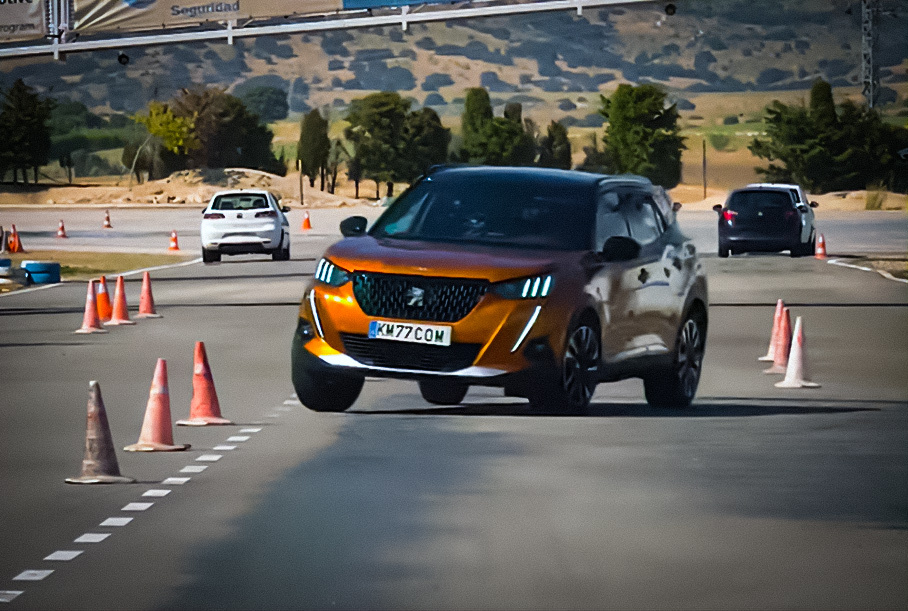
[542, 282]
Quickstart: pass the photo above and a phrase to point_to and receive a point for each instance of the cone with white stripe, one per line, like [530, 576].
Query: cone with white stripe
[157, 428]
[774, 336]
[796, 373]
[205, 409]
[783, 344]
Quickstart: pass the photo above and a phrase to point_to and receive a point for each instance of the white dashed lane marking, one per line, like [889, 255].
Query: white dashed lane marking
[32, 575]
[224, 448]
[254, 430]
[237, 438]
[138, 506]
[63, 555]
[193, 468]
[156, 493]
[292, 402]
[91, 538]
[116, 522]
[7, 596]
[209, 458]
[175, 481]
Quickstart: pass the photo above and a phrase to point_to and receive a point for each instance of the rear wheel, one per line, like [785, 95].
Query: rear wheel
[282, 253]
[442, 392]
[576, 378]
[210, 256]
[326, 392]
[676, 386]
[724, 250]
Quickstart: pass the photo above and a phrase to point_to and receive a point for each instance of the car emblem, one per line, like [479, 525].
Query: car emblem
[239, 216]
[415, 297]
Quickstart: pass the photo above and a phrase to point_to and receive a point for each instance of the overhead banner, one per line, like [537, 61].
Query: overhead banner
[22, 20]
[108, 15]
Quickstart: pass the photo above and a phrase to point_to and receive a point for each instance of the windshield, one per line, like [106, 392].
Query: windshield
[513, 211]
[240, 202]
[752, 203]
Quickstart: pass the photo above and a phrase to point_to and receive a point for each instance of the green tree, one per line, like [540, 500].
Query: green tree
[69, 115]
[355, 173]
[376, 131]
[555, 148]
[426, 143]
[596, 159]
[313, 147]
[24, 118]
[166, 132]
[269, 103]
[642, 134]
[477, 115]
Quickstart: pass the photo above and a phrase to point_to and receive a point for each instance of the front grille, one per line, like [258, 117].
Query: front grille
[404, 355]
[417, 297]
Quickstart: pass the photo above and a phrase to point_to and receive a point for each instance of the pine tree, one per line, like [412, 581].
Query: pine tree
[314, 146]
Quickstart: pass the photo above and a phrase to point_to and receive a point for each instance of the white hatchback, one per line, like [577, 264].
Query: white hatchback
[244, 222]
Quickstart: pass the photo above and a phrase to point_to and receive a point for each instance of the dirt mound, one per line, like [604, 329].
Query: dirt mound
[187, 187]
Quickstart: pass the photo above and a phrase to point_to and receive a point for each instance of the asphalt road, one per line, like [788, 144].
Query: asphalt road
[755, 498]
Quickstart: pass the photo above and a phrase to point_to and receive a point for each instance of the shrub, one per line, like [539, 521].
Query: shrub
[875, 198]
[719, 141]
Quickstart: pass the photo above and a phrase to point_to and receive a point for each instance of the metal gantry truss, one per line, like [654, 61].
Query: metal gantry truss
[63, 40]
[870, 77]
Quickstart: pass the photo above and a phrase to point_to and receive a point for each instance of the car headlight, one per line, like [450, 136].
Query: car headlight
[525, 288]
[330, 274]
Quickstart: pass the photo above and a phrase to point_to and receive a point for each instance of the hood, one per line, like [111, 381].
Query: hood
[446, 260]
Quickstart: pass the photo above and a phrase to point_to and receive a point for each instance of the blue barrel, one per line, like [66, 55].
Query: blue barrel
[42, 272]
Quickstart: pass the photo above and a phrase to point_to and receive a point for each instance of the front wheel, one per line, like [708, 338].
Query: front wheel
[442, 392]
[577, 377]
[676, 386]
[326, 392]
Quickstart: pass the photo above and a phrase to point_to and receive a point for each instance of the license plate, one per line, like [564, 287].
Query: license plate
[435, 335]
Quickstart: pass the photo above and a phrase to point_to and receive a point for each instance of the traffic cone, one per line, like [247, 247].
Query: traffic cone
[157, 430]
[99, 466]
[307, 224]
[120, 314]
[105, 310]
[61, 230]
[107, 224]
[205, 408]
[15, 243]
[776, 325]
[174, 245]
[90, 322]
[821, 248]
[796, 373]
[146, 300]
[783, 345]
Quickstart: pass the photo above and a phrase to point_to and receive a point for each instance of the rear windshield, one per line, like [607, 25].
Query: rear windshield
[744, 202]
[240, 202]
[511, 211]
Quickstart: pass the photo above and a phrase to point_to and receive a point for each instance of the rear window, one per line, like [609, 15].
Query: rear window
[751, 202]
[240, 202]
[511, 211]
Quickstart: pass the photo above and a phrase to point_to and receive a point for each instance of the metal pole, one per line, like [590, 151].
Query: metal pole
[870, 78]
[704, 166]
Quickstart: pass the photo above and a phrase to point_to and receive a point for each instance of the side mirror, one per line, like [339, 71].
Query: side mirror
[814, 205]
[718, 208]
[353, 226]
[676, 206]
[620, 248]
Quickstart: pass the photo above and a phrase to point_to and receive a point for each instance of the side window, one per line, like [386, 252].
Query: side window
[642, 218]
[609, 220]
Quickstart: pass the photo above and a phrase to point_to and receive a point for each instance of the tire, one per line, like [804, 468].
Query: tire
[443, 392]
[676, 386]
[724, 250]
[326, 392]
[281, 254]
[575, 380]
[210, 256]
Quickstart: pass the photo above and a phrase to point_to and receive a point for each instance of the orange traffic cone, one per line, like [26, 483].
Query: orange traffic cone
[105, 310]
[796, 373]
[120, 314]
[146, 300]
[99, 466]
[107, 224]
[782, 345]
[61, 230]
[205, 408]
[821, 247]
[307, 224]
[157, 430]
[174, 245]
[90, 322]
[15, 242]
[776, 325]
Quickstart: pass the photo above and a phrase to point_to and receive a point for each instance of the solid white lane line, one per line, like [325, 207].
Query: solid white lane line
[116, 522]
[175, 481]
[63, 555]
[236, 438]
[32, 575]
[193, 468]
[156, 493]
[137, 506]
[91, 538]
[209, 458]
[224, 448]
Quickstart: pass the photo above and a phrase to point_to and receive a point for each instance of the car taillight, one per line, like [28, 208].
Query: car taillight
[266, 214]
[790, 214]
[729, 215]
[213, 215]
